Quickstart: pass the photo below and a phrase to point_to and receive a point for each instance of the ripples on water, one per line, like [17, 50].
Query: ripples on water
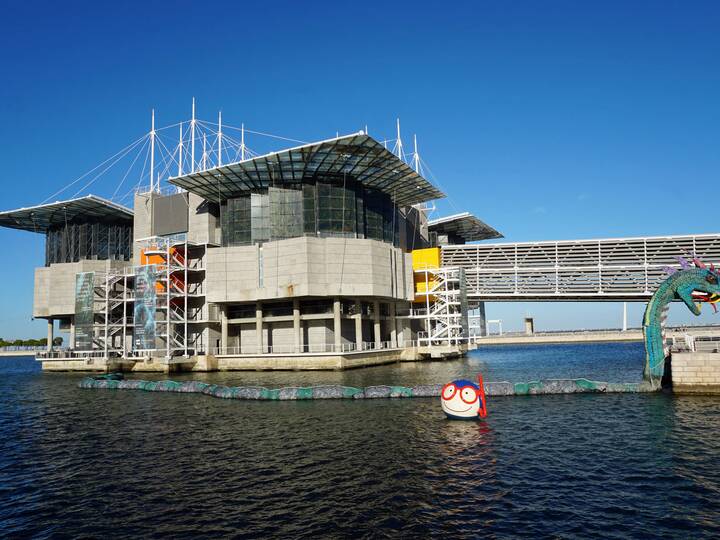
[127, 464]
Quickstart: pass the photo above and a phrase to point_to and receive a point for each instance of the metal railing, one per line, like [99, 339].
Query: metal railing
[691, 343]
[602, 269]
[70, 355]
[318, 348]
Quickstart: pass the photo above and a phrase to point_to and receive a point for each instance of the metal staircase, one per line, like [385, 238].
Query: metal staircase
[445, 309]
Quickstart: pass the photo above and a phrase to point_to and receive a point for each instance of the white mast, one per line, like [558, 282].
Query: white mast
[180, 149]
[399, 145]
[624, 317]
[416, 156]
[192, 138]
[204, 154]
[242, 142]
[152, 151]
[219, 156]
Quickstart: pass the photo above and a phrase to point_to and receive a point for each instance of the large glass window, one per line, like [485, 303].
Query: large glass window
[260, 217]
[310, 226]
[88, 241]
[336, 209]
[374, 215]
[286, 213]
[326, 207]
[235, 221]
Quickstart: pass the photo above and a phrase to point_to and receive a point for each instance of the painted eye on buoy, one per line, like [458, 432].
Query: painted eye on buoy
[469, 395]
[711, 278]
[449, 391]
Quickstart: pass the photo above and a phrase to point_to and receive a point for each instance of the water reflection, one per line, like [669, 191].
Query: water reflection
[137, 464]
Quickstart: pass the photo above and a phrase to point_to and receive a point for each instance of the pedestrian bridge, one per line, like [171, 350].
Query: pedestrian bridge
[608, 269]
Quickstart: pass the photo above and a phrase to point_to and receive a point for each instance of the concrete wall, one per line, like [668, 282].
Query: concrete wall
[696, 372]
[142, 220]
[281, 336]
[309, 361]
[308, 266]
[55, 285]
[318, 333]
[203, 226]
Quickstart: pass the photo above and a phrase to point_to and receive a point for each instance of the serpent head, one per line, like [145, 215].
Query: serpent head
[705, 281]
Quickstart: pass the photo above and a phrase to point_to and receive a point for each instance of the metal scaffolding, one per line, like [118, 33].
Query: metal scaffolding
[180, 277]
[445, 314]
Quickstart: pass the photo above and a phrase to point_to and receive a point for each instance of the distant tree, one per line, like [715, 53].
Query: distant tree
[57, 341]
[18, 342]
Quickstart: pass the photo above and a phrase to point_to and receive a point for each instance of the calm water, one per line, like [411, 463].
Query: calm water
[79, 463]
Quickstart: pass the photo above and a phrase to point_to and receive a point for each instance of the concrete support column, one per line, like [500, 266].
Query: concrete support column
[224, 329]
[358, 325]
[393, 327]
[529, 326]
[482, 319]
[259, 327]
[49, 333]
[337, 324]
[296, 324]
[72, 333]
[376, 321]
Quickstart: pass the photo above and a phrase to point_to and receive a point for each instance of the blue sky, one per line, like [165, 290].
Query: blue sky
[549, 120]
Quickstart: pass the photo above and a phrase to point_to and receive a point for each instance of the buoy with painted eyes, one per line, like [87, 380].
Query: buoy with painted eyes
[464, 400]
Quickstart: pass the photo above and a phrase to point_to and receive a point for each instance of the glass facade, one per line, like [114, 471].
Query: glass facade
[321, 208]
[95, 241]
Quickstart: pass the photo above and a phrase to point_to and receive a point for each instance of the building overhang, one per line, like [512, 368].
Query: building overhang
[465, 226]
[43, 217]
[357, 156]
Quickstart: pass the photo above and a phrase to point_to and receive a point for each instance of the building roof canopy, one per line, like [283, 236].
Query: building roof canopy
[464, 225]
[358, 156]
[42, 217]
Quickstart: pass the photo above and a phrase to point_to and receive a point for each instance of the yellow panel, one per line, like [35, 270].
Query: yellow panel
[426, 258]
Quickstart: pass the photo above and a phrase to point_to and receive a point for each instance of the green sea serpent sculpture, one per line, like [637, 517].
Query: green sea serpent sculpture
[293, 393]
[691, 284]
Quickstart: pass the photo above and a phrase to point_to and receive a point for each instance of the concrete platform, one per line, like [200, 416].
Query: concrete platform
[261, 362]
[695, 372]
[314, 361]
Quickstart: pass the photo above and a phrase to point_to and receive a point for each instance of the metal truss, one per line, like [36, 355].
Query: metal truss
[611, 269]
[445, 307]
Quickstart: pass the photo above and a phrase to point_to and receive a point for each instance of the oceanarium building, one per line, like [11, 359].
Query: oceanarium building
[315, 257]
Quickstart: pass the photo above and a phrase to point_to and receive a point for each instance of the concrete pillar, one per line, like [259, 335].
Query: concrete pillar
[337, 324]
[376, 320]
[259, 327]
[224, 329]
[624, 317]
[49, 333]
[529, 326]
[482, 319]
[72, 333]
[296, 324]
[393, 327]
[358, 325]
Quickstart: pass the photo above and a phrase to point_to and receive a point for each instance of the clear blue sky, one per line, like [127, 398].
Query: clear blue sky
[549, 120]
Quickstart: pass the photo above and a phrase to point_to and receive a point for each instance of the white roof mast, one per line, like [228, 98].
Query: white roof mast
[398, 144]
[192, 138]
[180, 151]
[416, 156]
[242, 142]
[219, 156]
[152, 152]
